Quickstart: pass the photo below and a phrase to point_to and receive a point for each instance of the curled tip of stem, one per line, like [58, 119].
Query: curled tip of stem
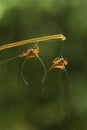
[62, 37]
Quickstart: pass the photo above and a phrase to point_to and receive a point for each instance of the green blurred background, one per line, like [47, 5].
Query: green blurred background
[63, 105]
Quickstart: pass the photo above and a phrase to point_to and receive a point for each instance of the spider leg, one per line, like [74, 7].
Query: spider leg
[22, 75]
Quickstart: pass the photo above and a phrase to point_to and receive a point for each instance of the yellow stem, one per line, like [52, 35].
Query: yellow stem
[39, 39]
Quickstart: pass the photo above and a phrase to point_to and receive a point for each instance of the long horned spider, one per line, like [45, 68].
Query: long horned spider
[58, 62]
[29, 54]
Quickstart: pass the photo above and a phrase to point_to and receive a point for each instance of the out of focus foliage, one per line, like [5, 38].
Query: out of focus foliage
[63, 105]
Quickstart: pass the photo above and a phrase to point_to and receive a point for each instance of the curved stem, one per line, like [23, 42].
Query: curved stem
[39, 39]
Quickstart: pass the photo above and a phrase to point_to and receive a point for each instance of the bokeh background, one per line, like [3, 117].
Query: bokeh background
[63, 105]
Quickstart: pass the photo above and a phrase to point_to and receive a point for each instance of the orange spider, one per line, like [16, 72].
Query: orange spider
[58, 62]
[29, 54]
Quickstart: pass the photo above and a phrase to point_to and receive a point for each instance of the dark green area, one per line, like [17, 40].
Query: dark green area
[63, 105]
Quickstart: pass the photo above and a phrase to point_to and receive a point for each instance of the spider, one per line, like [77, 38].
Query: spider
[59, 63]
[29, 54]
